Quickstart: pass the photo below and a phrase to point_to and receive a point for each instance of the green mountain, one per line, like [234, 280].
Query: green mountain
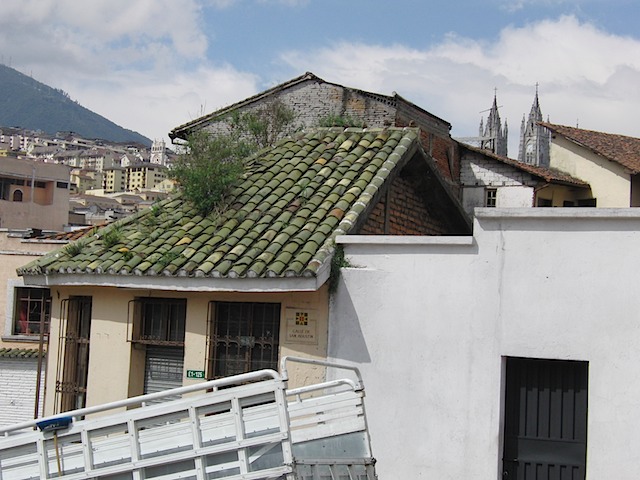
[29, 104]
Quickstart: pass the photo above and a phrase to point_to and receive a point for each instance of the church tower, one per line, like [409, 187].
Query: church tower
[158, 153]
[534, 138]
[492, 135]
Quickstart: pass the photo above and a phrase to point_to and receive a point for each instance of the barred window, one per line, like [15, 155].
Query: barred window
[160, 321]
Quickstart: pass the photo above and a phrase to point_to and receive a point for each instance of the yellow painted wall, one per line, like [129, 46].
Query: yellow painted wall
[116, 366]
[610, 184]
[14, 253]
[559, 194]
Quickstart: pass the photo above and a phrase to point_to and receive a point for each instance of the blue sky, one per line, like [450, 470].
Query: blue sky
[151, 65]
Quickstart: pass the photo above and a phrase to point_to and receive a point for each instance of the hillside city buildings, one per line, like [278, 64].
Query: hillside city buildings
[104, 181]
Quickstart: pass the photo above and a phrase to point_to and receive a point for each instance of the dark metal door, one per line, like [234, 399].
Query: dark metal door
[545, 428]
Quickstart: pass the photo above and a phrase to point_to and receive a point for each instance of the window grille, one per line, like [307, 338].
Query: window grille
[159, 321]
[243, 337]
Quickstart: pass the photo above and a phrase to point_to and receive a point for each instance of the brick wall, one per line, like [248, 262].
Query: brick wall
[442, 149]
[408, 214]
[17, 389]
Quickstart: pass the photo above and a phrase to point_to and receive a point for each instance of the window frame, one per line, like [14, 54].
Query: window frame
[245, 335]
[159, 321]
[44, 297]
[490, 197]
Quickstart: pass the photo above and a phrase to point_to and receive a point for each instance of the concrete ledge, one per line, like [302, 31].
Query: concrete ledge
[565, 213]
[403, 240]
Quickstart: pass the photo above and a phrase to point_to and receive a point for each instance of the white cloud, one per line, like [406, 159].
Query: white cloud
[584, 73]
[141, 64]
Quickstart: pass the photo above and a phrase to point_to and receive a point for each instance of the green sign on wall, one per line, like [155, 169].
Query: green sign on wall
[195, 374]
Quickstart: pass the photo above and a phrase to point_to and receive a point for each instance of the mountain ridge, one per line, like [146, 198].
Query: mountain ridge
[33, 105]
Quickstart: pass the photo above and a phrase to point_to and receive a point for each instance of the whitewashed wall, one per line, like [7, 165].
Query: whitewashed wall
[18, 389]
[429, 321]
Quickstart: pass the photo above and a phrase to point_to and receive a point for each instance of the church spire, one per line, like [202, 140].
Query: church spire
[534, 138]
[493, 135]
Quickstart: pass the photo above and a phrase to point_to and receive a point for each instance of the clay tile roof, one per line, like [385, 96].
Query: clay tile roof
[75, 234]
[616, 148]
[547, 174]
[280, 221]
[19, 353]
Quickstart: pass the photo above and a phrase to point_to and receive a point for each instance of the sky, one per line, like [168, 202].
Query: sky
[152, 65]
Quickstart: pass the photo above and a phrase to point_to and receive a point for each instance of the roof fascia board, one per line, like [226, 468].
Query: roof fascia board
[182, 284]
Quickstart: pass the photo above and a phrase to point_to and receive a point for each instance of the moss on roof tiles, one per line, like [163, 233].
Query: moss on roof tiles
[280, 220]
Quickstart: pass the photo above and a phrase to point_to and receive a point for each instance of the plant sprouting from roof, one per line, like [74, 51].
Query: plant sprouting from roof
[75, 248]
[262, 126]
[213, 163]
[211, 167]
[112, 236]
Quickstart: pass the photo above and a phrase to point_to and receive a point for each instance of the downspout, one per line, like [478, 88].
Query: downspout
[36, 409]
[33, 181]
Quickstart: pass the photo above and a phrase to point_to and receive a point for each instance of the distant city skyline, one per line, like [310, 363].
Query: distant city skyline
[152, 65]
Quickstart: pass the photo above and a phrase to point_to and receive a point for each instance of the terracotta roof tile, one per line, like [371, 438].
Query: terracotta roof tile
[617, 148]
[281, 220]
[547, 174]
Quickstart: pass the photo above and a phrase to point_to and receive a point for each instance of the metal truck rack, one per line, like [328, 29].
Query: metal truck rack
[241, 427]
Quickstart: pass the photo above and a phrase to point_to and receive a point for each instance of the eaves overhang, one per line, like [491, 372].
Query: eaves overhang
[184, 284]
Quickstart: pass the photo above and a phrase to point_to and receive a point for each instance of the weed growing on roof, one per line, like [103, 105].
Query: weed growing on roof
[75, 248]
[112, 236]
[168, 257]
[213, 163]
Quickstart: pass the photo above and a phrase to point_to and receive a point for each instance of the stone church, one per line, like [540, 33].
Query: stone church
[534, 138]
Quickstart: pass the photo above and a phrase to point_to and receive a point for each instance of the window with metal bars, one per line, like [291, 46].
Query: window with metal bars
[73, 354]
[159, 321]
[243, 337]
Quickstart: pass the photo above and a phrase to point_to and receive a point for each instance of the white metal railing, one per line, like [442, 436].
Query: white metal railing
[242, 427]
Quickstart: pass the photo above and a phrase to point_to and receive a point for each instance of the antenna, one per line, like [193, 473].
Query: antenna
[489, 109]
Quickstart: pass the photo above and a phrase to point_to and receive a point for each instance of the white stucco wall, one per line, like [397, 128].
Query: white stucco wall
[429, 321]
[515, 188]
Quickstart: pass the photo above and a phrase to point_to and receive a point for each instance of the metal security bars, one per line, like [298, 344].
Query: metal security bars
[243, 337]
